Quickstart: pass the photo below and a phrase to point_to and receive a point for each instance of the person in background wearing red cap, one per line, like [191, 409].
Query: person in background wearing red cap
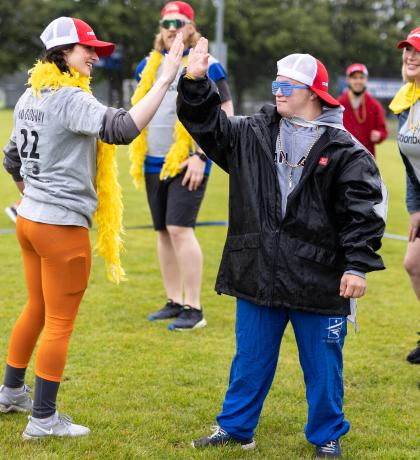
[62, 158]
[406, 105]
[364, 116]
[176, 173]
[304, 227]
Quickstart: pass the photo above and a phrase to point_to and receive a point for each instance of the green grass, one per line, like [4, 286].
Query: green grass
[146, 392]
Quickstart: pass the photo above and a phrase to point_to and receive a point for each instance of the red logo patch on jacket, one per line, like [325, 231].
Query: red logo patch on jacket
[323, 161]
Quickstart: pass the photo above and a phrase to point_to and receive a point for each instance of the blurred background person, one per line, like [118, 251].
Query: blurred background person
[364, 116]
[176, 171]
[406, 106]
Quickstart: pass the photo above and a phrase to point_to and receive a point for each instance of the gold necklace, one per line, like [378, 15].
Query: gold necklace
[360, 119]
[283, 155]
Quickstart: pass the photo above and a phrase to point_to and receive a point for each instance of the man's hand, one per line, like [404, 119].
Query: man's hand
[352, 286]
[375, 136]
[173, 60]
[414, 227]
[198, 59]
[195, 172]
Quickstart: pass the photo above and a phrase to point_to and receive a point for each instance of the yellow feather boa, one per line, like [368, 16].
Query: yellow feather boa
[108, 215]
[405, 98]
[183, 142]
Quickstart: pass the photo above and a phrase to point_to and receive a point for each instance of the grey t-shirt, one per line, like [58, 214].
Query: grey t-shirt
[409, 139]
[55, 135]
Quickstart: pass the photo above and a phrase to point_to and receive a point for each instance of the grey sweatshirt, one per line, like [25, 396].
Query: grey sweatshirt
[54, 142]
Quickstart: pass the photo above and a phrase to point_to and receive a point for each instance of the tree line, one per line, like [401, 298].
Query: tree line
[257, 33]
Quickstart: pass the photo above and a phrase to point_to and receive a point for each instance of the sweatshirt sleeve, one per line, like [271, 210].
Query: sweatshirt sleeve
[118, 127]
[11, 160]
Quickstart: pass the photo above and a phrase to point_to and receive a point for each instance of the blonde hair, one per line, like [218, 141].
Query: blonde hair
[193, 39]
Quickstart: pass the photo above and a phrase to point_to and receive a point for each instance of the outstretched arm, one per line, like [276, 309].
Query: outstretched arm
[199, 109]
[144, 110]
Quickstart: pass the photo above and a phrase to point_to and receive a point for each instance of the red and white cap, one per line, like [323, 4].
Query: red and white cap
[413, 39]
[66, 31]
[179, 8]
[357, 68]
[310, 71]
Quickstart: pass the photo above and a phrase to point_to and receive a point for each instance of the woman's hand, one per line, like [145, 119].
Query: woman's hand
[173, 60]
[195, 172]
[198, 59]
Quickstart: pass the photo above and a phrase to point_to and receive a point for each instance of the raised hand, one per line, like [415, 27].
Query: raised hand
[198, 59]
[173, 59]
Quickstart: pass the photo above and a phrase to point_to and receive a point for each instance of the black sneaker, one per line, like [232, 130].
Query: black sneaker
[170, 310]
[219, 437]
[330, 449]
[189, 318]
[414, 356]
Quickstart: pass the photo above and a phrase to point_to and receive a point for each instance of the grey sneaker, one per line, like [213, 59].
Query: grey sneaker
[220, 437]
[60, 425]
[11, 401]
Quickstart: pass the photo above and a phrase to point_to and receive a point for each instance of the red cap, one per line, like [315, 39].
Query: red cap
[66, 31]
[413, 39]
[320, 85]
[180, 8]
[357, 68]
[310, 71]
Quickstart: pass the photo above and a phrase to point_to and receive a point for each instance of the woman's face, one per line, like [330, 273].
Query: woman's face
[411, 60]
[81, 59]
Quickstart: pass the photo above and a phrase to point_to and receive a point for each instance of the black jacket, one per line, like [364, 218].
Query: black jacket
[330, 224]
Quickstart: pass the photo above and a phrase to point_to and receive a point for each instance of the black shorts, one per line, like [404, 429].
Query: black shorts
[172, 204]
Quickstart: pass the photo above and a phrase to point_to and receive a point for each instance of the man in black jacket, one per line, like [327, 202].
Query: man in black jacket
[306, 217]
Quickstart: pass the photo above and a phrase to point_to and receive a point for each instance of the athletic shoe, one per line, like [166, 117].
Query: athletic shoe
[170, 310]
[330, 449]
[189, 318]
[11, 212]
[219, 437]
[12, 401]
[59, 425]
[414, 356]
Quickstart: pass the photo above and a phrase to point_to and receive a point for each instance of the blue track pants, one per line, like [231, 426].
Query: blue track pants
[320, 341]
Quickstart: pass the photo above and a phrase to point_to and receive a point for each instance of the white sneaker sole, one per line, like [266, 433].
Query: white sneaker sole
[11, 214]
[28, 437]
[252, 445]
[199, 325]
[11, 408]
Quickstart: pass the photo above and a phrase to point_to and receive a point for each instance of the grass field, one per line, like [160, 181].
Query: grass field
[146, 392]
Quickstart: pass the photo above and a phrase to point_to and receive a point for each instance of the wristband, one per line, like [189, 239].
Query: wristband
[201, 155]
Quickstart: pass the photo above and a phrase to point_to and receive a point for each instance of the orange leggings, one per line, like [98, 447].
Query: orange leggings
[56, 260]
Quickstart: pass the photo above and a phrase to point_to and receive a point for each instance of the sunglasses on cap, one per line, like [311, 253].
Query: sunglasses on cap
[285, 87]
[176, 23]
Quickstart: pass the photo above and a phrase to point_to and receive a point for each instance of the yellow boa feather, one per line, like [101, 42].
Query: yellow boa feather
[405, 98]
[183, 142]
[108, 215]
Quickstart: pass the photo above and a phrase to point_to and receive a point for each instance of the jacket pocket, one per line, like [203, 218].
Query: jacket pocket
[243, 261]
[316, 254]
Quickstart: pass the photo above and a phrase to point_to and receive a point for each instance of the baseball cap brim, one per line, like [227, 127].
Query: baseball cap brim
[103, 49]
[414, 43]
[327, 98]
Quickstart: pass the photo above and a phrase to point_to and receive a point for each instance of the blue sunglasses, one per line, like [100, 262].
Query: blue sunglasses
[285, 87]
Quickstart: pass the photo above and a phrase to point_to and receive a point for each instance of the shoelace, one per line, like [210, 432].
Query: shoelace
[329, 447]
[217, 432]
[65, 419]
